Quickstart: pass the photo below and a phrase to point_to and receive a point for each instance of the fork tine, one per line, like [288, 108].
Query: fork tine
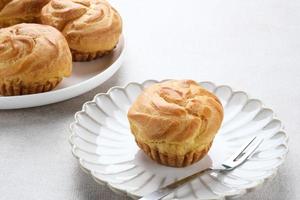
[241, 156]
[234, 161]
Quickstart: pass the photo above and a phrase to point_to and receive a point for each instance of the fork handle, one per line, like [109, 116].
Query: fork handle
[164, 191]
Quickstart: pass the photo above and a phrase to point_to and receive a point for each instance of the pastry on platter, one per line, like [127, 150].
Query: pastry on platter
[91, 27]
[175, 122]
[34, 58]
[18, 11]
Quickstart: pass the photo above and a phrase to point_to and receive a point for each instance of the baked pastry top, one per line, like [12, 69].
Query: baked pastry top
[18, 11]
[32, 55]
[88, 25]
[175, 117]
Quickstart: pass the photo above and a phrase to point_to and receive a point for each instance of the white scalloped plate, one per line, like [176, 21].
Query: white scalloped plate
[85, 77]
[105, 148]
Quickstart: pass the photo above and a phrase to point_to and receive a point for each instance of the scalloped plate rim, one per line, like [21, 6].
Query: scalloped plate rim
[242, 191]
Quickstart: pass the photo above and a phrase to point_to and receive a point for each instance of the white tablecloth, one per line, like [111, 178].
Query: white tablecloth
[250, 45]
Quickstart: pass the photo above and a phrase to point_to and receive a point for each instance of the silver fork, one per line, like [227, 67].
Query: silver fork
[229, 164]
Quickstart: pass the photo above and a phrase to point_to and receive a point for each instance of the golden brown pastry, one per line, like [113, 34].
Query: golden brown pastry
[91, 27]
[175, 122]
[33, 58]
[18, 11]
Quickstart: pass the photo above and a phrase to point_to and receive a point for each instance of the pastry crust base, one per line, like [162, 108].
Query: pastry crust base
[87, 56]
[13, 88]
[174, 160]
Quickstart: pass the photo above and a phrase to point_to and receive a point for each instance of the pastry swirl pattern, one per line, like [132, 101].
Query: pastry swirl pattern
[25, 49]
[175, 117]
[32, 54]
[179, 106]
[17, 11]
[88, 25]
[15, 47]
